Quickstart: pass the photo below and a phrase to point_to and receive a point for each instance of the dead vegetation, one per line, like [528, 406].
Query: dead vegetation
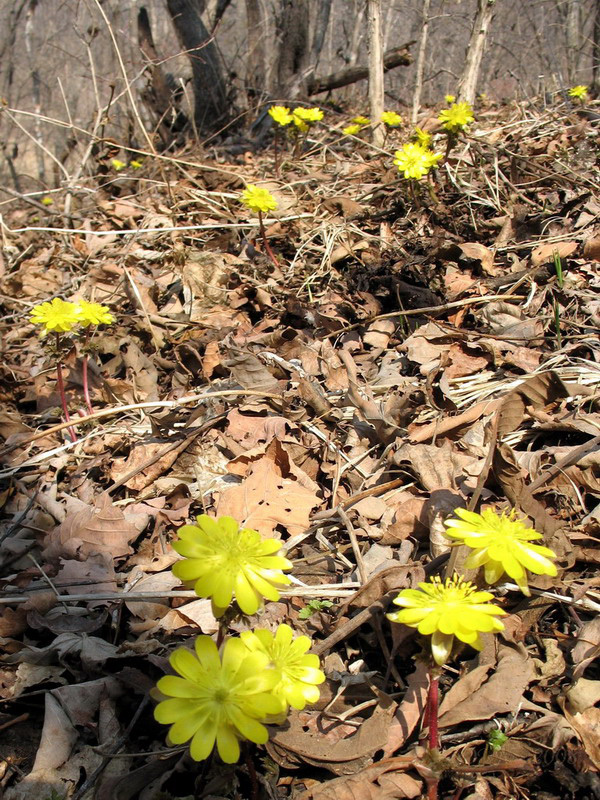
[411, 355]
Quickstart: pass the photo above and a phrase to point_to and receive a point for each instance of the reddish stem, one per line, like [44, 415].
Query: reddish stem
[432, 711]
[432, 723]
[63, 400]
[265, 241]
[86, 385]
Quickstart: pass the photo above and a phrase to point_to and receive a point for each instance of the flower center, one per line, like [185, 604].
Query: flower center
[221, 694]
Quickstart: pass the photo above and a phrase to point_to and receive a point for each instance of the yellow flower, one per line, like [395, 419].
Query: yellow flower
[280, 114]
[310, 115]
[303, 118]
[57, 315]
[445, 610]
[415, 161]
[118, 165]
[391, 119]
[422, 138]
[352, 130]
[457, 117]
[257, 199]
[221, 560]
[93, 314]
[214, 700]
[362, 121]
[299, 671]
[580, 92]
[47, 201]
[135, 164]
[450, 98]
[501, 544]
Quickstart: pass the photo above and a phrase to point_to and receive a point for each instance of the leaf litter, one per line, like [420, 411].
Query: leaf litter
[402, 361]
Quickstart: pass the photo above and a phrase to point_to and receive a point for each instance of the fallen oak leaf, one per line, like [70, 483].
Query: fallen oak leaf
[295, 745]
[98, 528]
[385, 780]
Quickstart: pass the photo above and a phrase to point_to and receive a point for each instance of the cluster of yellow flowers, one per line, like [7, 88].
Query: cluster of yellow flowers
[230, 696]
[301, 118]
[258, 199]
[414, 160]
[455, 608]
[579, 92]
[389, 118]
[457, 117]
[119, 165]
[61, 316]
[356, 125]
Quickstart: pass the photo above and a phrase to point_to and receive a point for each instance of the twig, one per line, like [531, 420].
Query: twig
[312, 592]
[415, 312]
[115, 410]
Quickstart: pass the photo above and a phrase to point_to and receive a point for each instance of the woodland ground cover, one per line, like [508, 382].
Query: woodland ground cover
[416, 348]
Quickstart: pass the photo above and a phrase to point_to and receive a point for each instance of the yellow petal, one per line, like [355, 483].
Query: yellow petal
[207, 653]
[185, 664]
[441, 647]
[204, 740]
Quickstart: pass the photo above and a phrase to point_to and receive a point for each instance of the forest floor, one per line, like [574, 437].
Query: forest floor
[413, 352]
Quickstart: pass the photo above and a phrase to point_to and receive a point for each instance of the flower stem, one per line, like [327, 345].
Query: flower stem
[276, 150]
[432, 723]
[265, 241]
[254, 785]
[63, 399]
[432, 710]
[86, 386]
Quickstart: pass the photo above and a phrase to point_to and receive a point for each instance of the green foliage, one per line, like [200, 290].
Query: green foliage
[496, 739]
[313, 606]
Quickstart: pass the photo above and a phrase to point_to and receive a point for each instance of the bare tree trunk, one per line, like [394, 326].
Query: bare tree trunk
[214, 12]
[36, 86]
[210, 96]
[573, 30]
[320, 26]
[292, 67]
[468, 83]
[397, 57]
[159, 96]
[359, 7]
[420, 67]
[256, 65]
[376, 91]
[596, 48]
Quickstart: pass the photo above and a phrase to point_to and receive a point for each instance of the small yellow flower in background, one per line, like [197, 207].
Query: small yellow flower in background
[93, 314]
[422, 138]
[299, 670]
[450, 98]
[353, 129]
[257, 199]
[303, 118]
[135, 164]
[360, 120]
[118, 165]
[57, 315]
[313, 114]
[217, 700]
[391, 119]
[445, 610]
[47, 201]
[221, 560]
[579, 92]
[281, 115]
[415, 161]
[457, 117]
[501, 544]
